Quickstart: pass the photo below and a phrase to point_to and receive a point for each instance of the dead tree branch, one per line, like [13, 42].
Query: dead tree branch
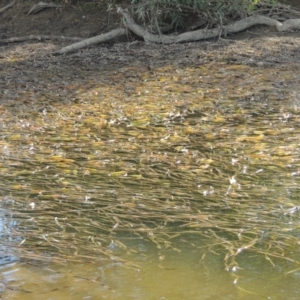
[11, 4]
[93, 40]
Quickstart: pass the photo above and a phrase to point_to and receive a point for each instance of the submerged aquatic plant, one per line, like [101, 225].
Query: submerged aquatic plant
[179, 153]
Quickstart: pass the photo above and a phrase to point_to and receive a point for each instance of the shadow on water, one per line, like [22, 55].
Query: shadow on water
[32, 79]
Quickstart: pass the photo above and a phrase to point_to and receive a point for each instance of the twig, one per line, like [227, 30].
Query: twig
[7, 6]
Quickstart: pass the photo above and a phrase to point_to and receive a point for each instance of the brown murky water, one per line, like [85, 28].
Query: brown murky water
[169, 184]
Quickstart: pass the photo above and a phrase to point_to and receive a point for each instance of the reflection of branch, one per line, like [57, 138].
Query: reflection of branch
[7, 6]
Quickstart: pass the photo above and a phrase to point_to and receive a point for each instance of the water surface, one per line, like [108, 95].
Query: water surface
[170, 184]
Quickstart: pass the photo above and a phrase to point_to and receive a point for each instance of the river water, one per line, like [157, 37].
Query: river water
[169, 183]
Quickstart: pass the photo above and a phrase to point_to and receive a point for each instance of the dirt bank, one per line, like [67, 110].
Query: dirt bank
[260, 45]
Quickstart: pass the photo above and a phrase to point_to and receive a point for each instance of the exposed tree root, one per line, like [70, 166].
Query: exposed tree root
[289, 25]
[11, 4]
[41, 6]
[161, 38]
[196, 35]
[203, 34]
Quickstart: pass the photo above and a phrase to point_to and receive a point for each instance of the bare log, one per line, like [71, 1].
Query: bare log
[41, 6]
[11, 4]
[39, 38]
[93, 40]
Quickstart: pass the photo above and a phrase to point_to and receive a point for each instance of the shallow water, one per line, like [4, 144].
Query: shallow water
[169, 184]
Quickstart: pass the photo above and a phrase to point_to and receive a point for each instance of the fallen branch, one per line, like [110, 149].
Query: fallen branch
[39, 38]
[41, 6]
[11, 4]
[93, 40]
